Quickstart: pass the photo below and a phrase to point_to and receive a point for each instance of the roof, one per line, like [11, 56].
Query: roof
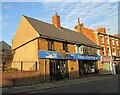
[109, 35]
[62, 34]
[4, 45]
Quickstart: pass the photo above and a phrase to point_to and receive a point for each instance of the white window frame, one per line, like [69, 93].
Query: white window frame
[117, 42]
[113, 42]
[107, 40]
[77, 48]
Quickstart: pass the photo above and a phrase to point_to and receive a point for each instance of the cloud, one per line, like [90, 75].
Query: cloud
[7, 6]
[92, 14]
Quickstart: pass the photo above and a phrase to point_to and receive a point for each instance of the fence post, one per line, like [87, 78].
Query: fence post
[21, 65]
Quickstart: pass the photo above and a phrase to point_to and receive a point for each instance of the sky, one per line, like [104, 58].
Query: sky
[92, 14]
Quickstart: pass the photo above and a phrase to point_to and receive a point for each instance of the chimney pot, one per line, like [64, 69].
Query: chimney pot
[55, 13]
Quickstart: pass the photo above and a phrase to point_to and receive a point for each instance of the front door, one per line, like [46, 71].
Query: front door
[58, 69]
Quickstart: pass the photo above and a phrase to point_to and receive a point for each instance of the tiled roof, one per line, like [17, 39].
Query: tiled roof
[62, 34]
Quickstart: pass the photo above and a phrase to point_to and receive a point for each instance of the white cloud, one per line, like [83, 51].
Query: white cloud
[7, 6]
[94, 11]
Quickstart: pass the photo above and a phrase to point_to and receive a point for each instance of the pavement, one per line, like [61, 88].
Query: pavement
[54, 84]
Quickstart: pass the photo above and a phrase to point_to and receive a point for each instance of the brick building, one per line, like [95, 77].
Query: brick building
[54, 51]
[110, 46]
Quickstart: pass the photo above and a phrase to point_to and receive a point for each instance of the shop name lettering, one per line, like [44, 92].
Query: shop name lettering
[86, 57]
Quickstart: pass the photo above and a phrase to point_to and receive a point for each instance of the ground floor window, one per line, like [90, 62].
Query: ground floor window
[87, 67]
[106, 68]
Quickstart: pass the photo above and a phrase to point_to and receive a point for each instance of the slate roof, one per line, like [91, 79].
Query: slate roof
[62, 34]
[4, 45]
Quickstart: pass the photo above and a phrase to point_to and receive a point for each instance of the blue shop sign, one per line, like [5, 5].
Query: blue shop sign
[56, 55]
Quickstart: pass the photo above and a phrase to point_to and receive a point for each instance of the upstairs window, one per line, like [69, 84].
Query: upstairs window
[101, 39]
[108, 51]
[77, 48]
[50, 45]
[103, 50]
[112, 41]
[107, 40]
[114, 50]
[117, 43]
[119, 52]
[65, 47]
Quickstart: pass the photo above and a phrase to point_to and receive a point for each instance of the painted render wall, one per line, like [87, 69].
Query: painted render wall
[24, 33]
[27, 52]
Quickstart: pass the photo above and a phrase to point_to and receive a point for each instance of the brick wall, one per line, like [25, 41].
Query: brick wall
[73, 69]
[58, 46]
[43, 44]
[20, 78]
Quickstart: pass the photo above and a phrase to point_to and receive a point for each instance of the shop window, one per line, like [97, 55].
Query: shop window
[65, 47]
[50, 45]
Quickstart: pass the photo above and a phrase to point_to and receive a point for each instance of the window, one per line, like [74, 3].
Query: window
[50, 45]
[65, 48]
[101, 39]
[117, 42]
[81, 49]
[112, 41]
[107, 40]
[119, 53]
[103, 50]
[108, 50]
[114, 50]
[77, 48]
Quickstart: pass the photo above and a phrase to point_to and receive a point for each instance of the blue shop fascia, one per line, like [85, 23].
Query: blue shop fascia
[87, 64]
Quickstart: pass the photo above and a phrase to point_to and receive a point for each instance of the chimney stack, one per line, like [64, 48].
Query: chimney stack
[78, 21]
[56, 20]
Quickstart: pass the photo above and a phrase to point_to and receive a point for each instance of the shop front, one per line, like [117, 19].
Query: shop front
[60, 65]
[107, 67]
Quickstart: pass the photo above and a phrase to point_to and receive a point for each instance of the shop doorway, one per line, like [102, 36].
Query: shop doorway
[58, 69]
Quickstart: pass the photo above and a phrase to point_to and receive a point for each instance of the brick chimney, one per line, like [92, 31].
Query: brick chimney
[78, 21]
[56, 20]
[101, 29]
[78, 28]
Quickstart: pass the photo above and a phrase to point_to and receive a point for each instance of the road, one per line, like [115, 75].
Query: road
[98, 86]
